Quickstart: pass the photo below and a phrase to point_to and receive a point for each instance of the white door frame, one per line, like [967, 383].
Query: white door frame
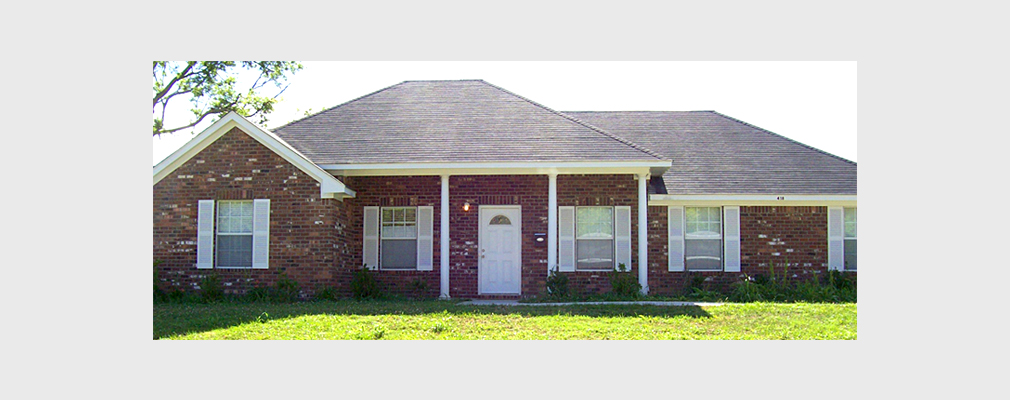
[480, 236]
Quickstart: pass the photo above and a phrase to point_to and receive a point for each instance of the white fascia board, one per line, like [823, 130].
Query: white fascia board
[329, 186]
[753, 199]
[496, 168]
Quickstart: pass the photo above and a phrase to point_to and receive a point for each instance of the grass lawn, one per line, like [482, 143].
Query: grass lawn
[441, 320]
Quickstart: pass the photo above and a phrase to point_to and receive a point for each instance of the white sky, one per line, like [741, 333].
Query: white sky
[810, 102]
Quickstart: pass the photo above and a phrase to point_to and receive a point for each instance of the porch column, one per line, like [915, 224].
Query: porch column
[443, 241]
[552, 222]
[643, 233]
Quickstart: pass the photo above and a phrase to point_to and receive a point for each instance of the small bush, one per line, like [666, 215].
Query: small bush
[364, 285]
[210, 289]
[159, 295]
[326, 293]
[419, 287]
[777, 288]
[557, 284]
[287, 289]
[623, 283]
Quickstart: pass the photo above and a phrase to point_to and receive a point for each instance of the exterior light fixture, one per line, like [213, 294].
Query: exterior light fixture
[466, 206]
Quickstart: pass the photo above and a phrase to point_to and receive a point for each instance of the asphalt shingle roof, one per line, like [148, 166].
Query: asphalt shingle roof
[451, 121]
[716, 154]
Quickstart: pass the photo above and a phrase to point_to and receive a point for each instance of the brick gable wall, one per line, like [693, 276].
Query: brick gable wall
[303, 241]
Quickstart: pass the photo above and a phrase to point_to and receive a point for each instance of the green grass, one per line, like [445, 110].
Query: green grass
[440, 320]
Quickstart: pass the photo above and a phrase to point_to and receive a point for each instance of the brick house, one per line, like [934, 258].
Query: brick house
[471, 191]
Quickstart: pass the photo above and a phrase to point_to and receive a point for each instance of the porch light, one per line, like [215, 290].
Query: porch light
[466, 206]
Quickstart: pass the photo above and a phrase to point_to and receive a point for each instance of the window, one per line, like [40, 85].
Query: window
[594, 237]
[703, 239]
[850, 239]
[399, 237]
[234, 234]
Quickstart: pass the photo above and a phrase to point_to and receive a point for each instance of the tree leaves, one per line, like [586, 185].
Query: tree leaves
[212, 89]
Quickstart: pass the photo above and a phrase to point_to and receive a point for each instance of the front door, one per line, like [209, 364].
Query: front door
[499, 267]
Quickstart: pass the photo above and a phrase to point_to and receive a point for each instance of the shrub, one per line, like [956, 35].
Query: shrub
[557, 284]
[419, 288]
[210, 289]
[693, 284]
[364, 285]
[286, 289]
[326, 293]
[623, 283]
[159, 295]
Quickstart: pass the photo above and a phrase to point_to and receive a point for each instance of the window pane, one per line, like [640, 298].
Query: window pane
[850, 255]
[595, 254]
[703, 254]
[399, 232]
[399, 254]
[234, 217]
[594, 222]
[234, 251]
[850, 222]
[704, 222]
[500, 220]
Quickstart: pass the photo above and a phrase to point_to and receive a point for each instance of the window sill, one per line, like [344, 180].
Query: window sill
[398, 269]
[249, 267]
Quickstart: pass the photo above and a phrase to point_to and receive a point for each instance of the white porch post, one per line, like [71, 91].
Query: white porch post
[444, 241]
[643, 233]
[552, 222]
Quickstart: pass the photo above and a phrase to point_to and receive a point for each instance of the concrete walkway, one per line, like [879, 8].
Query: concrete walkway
[517, 303]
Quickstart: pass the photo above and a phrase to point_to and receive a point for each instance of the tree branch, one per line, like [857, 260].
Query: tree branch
[182, 75]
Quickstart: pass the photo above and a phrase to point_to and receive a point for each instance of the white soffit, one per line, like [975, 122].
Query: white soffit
[752, 199]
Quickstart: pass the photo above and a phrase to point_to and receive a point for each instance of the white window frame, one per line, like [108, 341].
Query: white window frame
[845, 233]
[612, 240]
[721, 238]
[394, 222]
[218, 233]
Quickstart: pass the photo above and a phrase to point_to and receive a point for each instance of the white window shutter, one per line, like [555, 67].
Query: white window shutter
[371, 234]
[566, 238]
[731, 237]
[836, 233]
[622, 237]
[205, 235]
[675, 240]
[261, 234]
[425, 220]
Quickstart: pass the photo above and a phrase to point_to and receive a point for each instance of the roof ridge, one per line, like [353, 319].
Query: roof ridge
[573, 119]
[445, 80]
[340, 105]
[791, 140]
[641, 111]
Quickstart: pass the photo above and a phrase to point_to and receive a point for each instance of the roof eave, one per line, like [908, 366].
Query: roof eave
[329, 186]
[644, 167]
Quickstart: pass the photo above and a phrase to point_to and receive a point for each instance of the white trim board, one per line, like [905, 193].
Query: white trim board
[496, 168]
[329, 186]
[752, 200]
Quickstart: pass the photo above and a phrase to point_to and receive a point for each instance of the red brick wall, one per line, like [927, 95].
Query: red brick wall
[600, 190]
[778, 235]
[528, 191]
[392, 191]
[303, 241]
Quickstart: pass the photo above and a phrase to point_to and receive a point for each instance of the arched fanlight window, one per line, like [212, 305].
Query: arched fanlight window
[500, 220]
